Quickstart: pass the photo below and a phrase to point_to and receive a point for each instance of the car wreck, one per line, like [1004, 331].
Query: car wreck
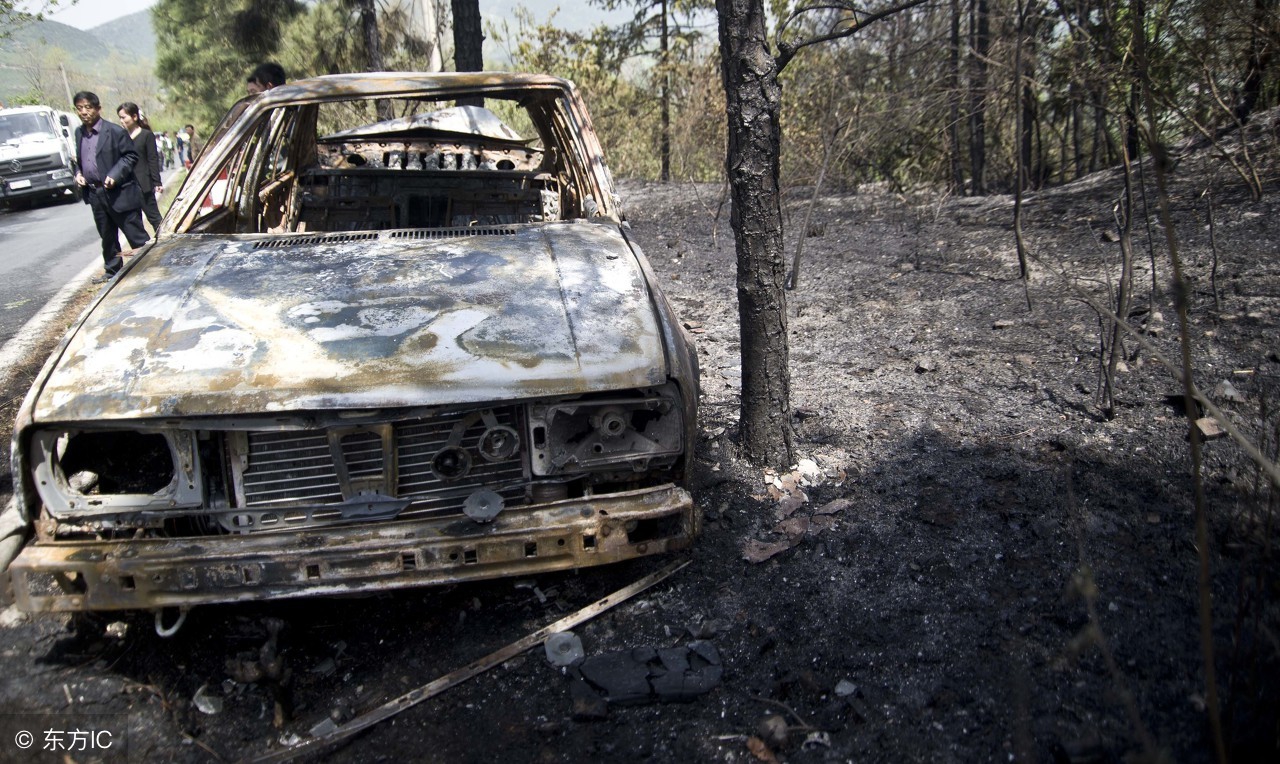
[396, 333]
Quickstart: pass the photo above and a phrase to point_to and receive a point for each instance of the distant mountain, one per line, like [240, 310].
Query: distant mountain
[37, 50]
[132, 33]
[30, 39]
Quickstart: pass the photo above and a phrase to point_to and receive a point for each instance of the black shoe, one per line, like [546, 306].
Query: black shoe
[104, 277]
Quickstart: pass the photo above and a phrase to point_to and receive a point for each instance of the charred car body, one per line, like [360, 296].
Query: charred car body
[386, 341]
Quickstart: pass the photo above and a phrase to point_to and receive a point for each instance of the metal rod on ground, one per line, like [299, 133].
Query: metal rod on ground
[435, 687]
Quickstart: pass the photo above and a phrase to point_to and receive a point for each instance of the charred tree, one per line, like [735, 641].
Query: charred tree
[468, 36]
[1257, 60]
[753, 102]
[1020, 92]
[373, 48]
[468, 42]
[372, 38]
[664, 65]
[979, 48]
[953, 101]
[753, 99]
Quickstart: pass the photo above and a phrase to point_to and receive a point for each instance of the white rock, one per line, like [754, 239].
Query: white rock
[1228, 392]
[809, 471]
[207, 702]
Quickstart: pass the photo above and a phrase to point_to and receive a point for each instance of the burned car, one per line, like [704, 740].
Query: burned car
[396, 333]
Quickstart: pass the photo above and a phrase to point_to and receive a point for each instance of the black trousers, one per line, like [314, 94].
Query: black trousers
[111, 224]
[151, 209]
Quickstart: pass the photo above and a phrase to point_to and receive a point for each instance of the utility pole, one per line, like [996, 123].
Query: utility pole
[66, 85]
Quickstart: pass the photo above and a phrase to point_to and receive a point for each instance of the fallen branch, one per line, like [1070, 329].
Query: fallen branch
[331, 733]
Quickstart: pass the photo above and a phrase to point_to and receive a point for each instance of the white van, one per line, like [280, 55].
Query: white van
[37, 154]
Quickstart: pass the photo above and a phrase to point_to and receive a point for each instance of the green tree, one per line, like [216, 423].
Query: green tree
[663, 31]
[623, 110]
[12, 17]
[331, 37]
[207, 50]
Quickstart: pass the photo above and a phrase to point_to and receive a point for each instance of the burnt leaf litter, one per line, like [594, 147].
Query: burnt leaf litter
[919, 586]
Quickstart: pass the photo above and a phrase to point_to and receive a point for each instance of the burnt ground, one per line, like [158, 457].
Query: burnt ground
[962, 508]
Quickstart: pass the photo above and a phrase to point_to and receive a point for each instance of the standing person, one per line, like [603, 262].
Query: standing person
[180, 138]
[193, 146]
[106, 158]
[147, 169]
[166, 149]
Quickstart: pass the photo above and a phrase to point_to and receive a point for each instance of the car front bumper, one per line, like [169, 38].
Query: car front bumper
[182, 572]
[34, 185]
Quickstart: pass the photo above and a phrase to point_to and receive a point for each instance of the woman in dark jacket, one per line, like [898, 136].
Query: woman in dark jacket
[147, 170]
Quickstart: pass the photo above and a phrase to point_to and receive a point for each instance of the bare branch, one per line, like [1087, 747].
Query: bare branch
[859, 21]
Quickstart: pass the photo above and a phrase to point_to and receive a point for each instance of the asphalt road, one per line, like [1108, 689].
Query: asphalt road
[41, 250]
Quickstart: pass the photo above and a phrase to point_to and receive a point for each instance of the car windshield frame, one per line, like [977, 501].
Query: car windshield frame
[556, 123]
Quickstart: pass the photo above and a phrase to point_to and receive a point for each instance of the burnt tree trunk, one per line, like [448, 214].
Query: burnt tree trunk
[953, 101]
[372, 39]
[664, 148]
[373, 47]
[979, 47]
[468, 36]
[752, 102]
[468, 42]
[1257, 60]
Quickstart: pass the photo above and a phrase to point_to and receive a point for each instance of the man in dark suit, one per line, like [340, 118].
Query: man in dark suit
[107, 157]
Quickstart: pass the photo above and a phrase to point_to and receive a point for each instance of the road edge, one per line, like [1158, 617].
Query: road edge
[34, 331]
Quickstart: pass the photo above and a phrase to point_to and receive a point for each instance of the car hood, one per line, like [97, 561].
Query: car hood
[232, 325]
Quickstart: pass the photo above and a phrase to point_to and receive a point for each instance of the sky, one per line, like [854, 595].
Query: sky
[87, 14]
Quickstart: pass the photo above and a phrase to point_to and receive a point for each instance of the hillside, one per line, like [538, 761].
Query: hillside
[106, 59]
[132, 33]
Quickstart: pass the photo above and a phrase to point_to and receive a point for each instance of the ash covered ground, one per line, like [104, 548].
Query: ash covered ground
[968, 562]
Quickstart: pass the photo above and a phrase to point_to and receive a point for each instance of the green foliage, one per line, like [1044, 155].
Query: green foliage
[625, 109]
[13, 18]
[324, 40]
[207, 50]
[203, 73]
[880, 102]
[327, 39]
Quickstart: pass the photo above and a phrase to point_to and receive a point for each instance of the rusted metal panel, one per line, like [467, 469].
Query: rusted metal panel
[158, 572]
[223, 325]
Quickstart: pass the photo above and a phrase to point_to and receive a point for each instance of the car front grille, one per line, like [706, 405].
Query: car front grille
[300, 478]
[28, 165]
